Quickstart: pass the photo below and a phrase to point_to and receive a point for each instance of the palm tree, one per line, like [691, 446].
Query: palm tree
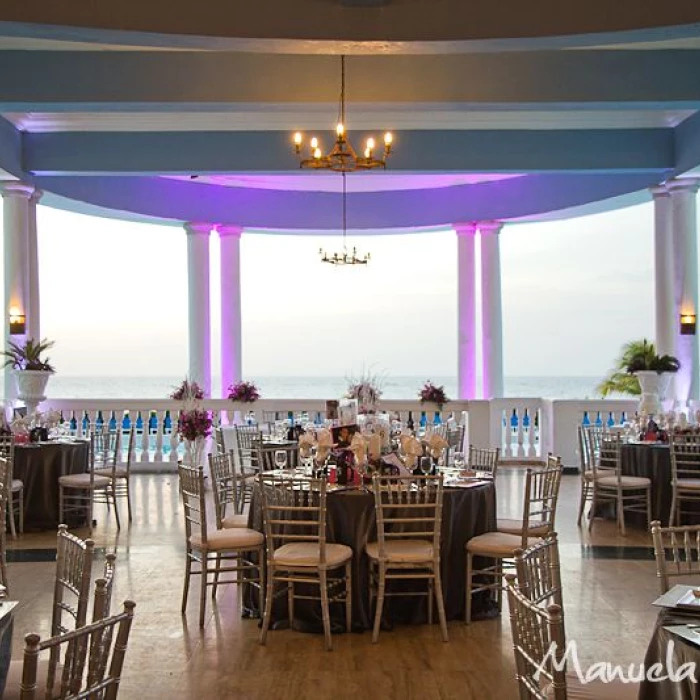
[618, 380]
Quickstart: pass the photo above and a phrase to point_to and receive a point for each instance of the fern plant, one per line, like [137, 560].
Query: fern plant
[29, 355]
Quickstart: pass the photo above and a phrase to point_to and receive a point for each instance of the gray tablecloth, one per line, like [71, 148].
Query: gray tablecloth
[351, 521]
[683, 652]
[39, 467]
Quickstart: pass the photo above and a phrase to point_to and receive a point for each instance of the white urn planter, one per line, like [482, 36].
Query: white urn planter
[654, 386]
[31, 387]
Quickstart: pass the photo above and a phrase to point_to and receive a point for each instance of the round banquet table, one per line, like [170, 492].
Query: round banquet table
[466, 512]
[39, 465]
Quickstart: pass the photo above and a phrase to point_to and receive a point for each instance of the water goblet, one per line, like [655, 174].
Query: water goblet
[280, 459]
[459, 460]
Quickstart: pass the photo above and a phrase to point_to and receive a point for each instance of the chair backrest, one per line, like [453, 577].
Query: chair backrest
[248, 440]
[684, 543]
[294, 510]
[541, 497]
[539, 572]
[103, 590]
[7, 450]
[483, 460]
[130, 446]
[219, 440]
[685, 457]
[73, 572]
[584, 450]
[408, 507]
[455, 438]
[193, 501]
[93, 660]
[607, 460]
[540, 675]
[222, 468]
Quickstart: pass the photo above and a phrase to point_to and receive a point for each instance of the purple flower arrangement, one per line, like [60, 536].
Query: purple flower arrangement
[245, 392]
[430, 393]
[188, 391]
[194, 423]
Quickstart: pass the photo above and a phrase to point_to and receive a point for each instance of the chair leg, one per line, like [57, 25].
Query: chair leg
[217, 571]
[114, 501]
[499, 588]
[203, 590]
[21, 511]
[325, 613]
[440, 604]
[348, 596]
[582, 503]
[261, 581]
[91, 501]
[431, 592]
[128, 498]
[267, 616]
[61, 521]
[649, 507]
[290, 603]
[11, 511]
[594, 504]
[672, 514]
[380, 602]
[186, 588]
[621, 513]
[468, 598]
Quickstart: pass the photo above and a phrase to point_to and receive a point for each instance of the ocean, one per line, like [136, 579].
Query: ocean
[65, 387]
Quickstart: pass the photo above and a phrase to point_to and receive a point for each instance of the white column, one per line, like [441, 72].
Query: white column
[198, 304]
[684, 214]
[491, 309]
[466, 311]
[34, 306]
[231, 352]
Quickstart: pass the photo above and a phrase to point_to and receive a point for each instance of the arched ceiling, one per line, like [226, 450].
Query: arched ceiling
[499, 111]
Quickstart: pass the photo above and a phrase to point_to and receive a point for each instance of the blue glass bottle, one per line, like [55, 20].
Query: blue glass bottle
[61, 420]
[586, 419]
[112, 423]
[623, 417]
[423, 420]
[526, 420]
[100, 421]
[73, 424]
[598, 420]
[611, 420]
[126, 422]
[86, 423]
[514, 421]
[139, 423]
[167, 423]
[153, 423]
[437, 420]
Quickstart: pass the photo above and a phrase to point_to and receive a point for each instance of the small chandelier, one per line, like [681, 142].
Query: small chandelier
[344, 258]
[342, 158]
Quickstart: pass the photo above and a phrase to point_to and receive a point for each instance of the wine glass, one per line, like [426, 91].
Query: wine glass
[425, 465]
[280, 459]
[459, 460]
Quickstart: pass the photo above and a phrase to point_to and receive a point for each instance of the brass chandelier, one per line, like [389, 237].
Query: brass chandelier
[344, 258]
[342, 157]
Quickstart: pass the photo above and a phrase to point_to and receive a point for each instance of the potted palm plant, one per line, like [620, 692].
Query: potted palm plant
[32, 369]
[654, 374]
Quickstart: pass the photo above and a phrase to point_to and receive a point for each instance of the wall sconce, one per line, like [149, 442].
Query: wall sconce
[18, 322]
[688, 323]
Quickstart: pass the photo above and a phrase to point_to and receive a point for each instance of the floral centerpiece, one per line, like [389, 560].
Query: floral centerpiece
[367, 390]
[430, 393]
[194, 427]
[188, 391]
[245, 392]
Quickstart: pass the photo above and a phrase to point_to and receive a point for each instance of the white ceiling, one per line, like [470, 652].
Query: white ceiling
[322, 119]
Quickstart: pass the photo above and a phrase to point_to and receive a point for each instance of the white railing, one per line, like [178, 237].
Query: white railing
[525, 429]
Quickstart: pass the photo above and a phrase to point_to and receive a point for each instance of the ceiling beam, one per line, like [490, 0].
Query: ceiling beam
[133, 80]
[632, 150]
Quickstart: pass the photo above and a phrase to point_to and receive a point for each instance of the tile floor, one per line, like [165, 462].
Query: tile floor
[609, 582]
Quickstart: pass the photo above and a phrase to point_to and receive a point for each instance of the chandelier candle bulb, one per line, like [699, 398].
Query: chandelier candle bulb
[314, 143]
[370, 144]
[340, 130]
[317, 153]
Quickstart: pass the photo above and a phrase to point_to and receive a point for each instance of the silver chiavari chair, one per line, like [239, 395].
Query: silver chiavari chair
[120, 474]
[685, 474]
[227, 488]
[409, 521]
[539, 572]
[684, 545]
[14, 488]
[294, 512]
[481, 459]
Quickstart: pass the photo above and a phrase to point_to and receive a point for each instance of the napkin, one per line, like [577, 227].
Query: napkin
[324, 445]
[306, 442]
[375, 446]
[436, 444]
[411, 448]
[358, 447]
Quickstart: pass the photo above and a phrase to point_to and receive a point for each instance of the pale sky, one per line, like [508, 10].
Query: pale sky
[114, 298]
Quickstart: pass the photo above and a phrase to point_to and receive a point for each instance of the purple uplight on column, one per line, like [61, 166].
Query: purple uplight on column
[231, 345]
[492, 312]
[466, 311]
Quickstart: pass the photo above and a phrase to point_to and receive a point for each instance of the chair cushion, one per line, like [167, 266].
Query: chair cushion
[119, 472]
[515, 527]
[626, 482]
[232, 538]
[690, 484]
[498, 544]
[404, 551]
[17, 485]
[82, 481]
[597, 690]
[306, 554]
[234, 521]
